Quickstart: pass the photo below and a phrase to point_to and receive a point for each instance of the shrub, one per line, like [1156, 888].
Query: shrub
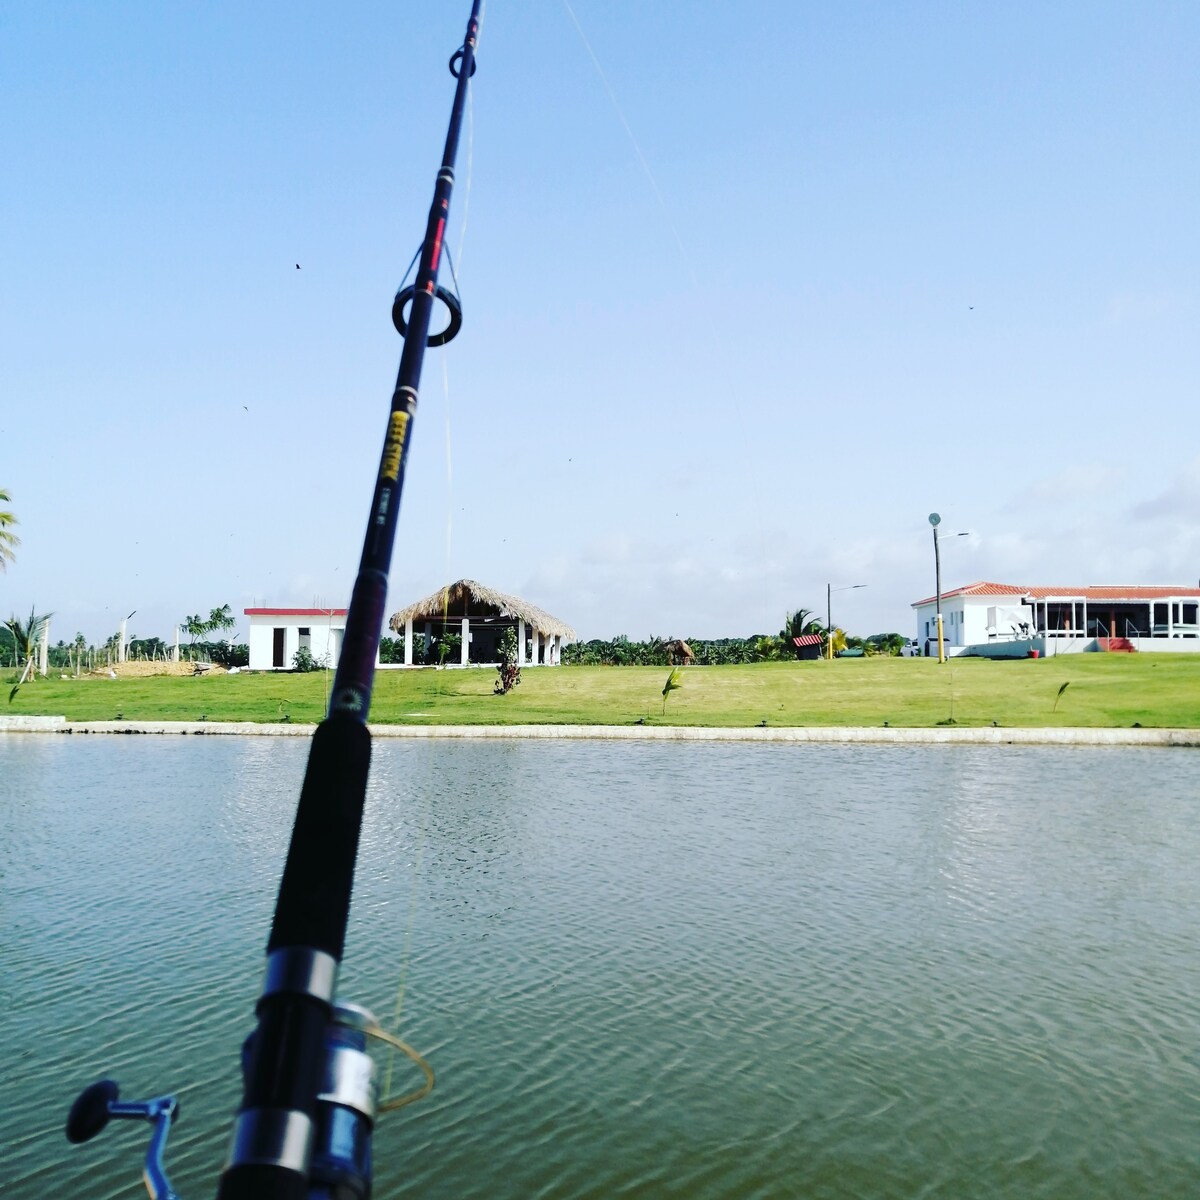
[391, 650]
[508, 671]
[303, 660]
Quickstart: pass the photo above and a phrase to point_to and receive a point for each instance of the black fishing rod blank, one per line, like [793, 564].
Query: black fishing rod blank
[304, 1126]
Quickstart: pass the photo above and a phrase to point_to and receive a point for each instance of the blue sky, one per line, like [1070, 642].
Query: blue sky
[889, 258]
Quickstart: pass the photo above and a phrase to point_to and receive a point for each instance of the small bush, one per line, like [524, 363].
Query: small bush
[508, 671]
[303, 660]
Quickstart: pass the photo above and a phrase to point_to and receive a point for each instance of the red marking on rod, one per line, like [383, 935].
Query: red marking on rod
[437, 243]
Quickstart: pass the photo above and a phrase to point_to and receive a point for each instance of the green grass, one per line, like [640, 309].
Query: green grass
[1106, 690]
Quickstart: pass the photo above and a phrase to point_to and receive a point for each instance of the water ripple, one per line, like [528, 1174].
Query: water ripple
[639, 970]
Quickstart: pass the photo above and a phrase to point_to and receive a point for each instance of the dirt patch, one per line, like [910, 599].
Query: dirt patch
[140, 670]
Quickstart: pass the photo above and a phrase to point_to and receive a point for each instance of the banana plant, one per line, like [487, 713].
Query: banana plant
[674, 680]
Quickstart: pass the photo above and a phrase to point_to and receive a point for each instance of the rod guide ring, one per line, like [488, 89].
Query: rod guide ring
[456, 64]
[447, 297]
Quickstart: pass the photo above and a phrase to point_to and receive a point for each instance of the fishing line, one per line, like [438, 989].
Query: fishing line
[466, 208]
[406, 957]
[684, 255]
[406, 952]
[612, 96]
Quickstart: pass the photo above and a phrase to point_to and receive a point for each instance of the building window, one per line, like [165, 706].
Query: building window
[305, 637]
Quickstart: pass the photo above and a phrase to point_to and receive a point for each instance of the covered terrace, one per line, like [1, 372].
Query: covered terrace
[462, 623]
[1116, 612]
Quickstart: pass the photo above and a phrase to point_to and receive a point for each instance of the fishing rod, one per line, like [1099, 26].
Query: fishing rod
[303, 1129]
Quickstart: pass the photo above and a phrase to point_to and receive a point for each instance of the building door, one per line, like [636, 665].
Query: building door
[277, 648]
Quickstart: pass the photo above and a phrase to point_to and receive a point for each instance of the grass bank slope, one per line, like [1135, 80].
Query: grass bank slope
[1104, 691]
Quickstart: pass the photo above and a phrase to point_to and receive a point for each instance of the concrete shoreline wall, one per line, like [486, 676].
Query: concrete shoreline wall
[938, 736]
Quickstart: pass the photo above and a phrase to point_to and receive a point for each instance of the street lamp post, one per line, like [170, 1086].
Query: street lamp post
[935, 520]
[829, 590]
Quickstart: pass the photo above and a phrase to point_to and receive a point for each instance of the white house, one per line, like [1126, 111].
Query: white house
[1004, 619]
[277, 633]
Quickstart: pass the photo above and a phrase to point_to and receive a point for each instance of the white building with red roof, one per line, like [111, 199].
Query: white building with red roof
[1005, 619]
[276, 634]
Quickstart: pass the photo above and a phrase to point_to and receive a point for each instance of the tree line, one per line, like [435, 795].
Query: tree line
[760, 647]
[20, 645]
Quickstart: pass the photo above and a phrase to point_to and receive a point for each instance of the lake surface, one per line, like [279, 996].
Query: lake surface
[638, 969]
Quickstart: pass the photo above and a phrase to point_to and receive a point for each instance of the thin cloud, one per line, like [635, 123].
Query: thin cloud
[1180, 499]
[1076, 483]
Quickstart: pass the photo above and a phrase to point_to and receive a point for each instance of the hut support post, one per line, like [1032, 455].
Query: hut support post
[408, 636]
[521, 642]
[466, 641]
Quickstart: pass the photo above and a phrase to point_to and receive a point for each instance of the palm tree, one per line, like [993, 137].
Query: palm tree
[79, 645]
[26, 635]
[8, 540]
[220, 620]
[799, 623]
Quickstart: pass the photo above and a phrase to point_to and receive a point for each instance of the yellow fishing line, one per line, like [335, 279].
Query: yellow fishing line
[390, 1103]
[406, 951]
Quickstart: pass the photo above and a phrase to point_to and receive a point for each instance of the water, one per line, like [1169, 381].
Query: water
[639, 969]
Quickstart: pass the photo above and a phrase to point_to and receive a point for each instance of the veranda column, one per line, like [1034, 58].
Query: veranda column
[408, 642]
[534, 639]
[465, 657]
[521, 642]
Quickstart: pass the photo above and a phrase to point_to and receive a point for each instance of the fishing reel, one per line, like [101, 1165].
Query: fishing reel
[340, 1164]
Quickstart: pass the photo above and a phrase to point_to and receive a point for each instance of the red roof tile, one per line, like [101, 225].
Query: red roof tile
[1107, 591]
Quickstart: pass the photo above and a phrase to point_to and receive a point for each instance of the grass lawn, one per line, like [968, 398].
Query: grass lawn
[1106, 690]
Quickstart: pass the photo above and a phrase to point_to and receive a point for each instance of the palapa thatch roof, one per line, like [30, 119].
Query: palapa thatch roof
[466, 597]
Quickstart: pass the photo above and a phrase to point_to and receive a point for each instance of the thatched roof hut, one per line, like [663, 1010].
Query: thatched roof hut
[479, 615]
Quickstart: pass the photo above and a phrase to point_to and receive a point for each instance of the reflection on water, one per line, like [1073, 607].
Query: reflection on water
[639, 969]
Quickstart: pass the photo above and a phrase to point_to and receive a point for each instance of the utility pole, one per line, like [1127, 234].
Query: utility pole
[829, 590]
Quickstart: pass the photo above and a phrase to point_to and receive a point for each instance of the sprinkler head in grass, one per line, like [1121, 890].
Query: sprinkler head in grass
[204, 716]
[886, 725]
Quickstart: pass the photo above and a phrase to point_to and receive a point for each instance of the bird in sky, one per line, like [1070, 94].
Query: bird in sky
[297, 266]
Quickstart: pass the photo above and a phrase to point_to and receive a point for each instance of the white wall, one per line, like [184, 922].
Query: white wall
[323, 639]
[965, 618]
[954, 623]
